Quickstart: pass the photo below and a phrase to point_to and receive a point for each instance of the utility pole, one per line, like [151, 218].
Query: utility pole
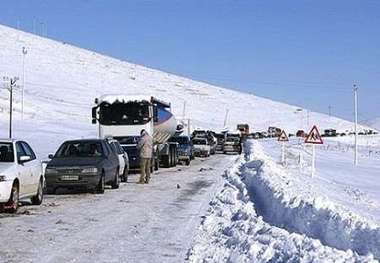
[12, 85]
[24, 52]
[184, 109]
[330, 110]
[225, 118]
[356, 123]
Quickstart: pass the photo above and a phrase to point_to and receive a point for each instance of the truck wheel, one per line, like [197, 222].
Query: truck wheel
[37, 199]
[12, 204]
[166, 161]
[116, 182]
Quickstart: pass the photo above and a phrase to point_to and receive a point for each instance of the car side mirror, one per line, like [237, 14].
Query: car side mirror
[51, 156]
[24, 159]
[94, 109]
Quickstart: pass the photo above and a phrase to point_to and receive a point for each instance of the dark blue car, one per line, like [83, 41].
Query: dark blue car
[185, 149]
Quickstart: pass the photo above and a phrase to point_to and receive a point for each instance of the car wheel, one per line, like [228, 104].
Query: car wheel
[116, 182]
[101, 185]
[12, 205]
[37, 199]
[187, 162]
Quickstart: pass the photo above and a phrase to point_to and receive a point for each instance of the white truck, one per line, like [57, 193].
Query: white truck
[124, 116]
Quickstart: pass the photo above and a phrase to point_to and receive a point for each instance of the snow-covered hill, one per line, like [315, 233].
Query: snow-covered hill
[62, 82]
[373, 123]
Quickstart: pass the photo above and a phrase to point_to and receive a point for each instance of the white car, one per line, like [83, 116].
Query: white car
[201, 147]
[123, 158]
[20, 175]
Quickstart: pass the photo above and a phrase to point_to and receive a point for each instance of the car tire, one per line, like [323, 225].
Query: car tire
[188, 162]
[116, 182]
[38, 198]
[13, 200]
[101, 185]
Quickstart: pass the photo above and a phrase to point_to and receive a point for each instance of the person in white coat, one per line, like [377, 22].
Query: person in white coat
[145, 146]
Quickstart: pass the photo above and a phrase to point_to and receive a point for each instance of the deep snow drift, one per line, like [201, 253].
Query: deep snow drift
[235, 231]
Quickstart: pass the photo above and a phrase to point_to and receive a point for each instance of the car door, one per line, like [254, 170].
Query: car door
[35, 168]
[22, 171]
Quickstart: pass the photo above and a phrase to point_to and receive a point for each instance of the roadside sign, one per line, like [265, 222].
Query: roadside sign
[283, 137]
[314, 137]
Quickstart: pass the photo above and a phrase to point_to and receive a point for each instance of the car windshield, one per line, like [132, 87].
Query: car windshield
[6, 152]
[232, 139]
[128, 140]
[199, 142]
[80, 149]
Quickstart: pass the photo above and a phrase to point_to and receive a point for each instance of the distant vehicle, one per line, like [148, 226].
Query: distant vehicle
[123, 158]
[185, 148]
[20, 175]
[209, 136]
[274, 132]
[220, 137]
[232, 145]
[201, 147]
[330, 133]
[301, 133]
[89, 164]
[244, 130]
[124, 116]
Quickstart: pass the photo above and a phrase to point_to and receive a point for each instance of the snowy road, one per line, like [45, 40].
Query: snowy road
[136, 223]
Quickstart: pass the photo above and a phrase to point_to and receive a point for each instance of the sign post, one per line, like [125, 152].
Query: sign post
[314, 137]
[283, 138]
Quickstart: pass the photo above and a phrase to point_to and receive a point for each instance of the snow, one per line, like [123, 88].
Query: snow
[236, 229]
[136, 223]
[264, 212]
[373, 123]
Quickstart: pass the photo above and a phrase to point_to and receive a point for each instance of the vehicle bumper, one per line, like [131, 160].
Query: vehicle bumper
[88, 181]
[201, 153]
[5, 191]
[232, 149]
[184, 157]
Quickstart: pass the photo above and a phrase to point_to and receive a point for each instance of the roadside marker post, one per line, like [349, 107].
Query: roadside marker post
[314, 137]
[283, 138]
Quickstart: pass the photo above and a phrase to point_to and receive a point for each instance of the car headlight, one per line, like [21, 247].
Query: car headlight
[91, 170]
[51, 171]
[3, 178]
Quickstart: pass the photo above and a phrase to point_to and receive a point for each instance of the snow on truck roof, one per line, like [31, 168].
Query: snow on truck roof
[111, 98]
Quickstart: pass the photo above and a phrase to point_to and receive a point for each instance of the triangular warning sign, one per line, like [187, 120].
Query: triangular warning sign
[283, 137]
[314, 136]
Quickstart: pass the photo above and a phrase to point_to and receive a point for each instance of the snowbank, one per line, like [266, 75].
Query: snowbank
[282, 205]
[234, 232]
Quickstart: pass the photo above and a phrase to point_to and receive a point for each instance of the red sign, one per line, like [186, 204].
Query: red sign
[283, 137]
[314, 136]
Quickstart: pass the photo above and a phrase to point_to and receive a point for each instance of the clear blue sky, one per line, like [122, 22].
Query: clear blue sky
[305, 52]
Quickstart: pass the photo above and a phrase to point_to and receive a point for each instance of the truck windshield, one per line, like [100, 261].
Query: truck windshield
[119, 113]
[79, 149]
[6, 152]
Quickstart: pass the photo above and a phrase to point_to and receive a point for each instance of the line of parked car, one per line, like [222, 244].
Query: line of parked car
[88, 164]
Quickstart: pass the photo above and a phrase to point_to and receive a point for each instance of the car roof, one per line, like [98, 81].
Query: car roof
[86, 140]
[9, 140]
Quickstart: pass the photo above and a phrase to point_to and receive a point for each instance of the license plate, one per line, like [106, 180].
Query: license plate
[70, 178]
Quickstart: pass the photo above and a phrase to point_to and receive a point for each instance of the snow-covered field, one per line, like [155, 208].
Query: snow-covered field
[267, 213]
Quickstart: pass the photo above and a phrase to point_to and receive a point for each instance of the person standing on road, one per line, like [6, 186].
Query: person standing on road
[145, 145]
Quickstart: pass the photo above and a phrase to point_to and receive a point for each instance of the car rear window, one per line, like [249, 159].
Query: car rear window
[80, 149]
[6, 152]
